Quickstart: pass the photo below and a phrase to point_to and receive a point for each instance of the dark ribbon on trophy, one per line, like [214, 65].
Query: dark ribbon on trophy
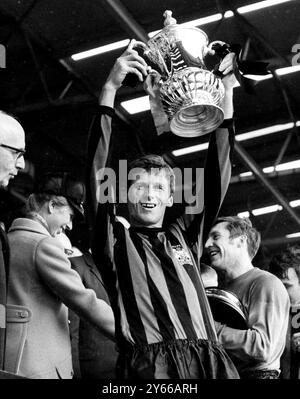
[243, 67]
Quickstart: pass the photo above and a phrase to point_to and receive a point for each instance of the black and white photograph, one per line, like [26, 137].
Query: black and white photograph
[149, 194]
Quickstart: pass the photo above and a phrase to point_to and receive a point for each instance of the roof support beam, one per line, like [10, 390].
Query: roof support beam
[254, 167]
[76, 100]
[18, 22]
[122, 15]
[82, 81]
[39, 69]
[120, 114]
[252, 31]
[279, 83]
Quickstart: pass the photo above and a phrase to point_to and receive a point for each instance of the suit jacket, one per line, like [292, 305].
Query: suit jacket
[41, 286]
[94, 355]
[4, 260]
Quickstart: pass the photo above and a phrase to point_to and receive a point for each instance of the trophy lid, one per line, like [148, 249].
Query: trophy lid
[169, 20]
[170, 24]
[193, 39]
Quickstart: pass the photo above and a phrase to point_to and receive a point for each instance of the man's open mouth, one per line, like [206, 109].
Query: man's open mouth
[148, 205]
[213, 253]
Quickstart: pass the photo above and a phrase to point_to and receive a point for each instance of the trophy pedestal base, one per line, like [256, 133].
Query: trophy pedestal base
[196, 120]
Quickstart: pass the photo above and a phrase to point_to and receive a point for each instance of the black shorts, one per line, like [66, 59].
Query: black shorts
[260, 375]
[179, 359]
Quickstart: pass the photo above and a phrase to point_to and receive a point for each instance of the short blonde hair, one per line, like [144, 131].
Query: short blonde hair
[152, 162]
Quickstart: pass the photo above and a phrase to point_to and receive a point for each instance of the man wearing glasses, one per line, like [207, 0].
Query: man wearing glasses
[12, 149]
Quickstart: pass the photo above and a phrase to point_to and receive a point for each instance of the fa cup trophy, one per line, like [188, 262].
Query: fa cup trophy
[190, 94]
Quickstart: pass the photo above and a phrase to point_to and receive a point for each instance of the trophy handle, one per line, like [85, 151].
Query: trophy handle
[221, 49]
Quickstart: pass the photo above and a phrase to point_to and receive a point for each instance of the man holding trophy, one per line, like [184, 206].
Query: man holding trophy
[164, 326]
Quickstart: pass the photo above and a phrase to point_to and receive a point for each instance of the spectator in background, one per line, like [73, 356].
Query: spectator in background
[12, 149]
[93, 354]
[286, 266]
[232, 243]
[42, 285]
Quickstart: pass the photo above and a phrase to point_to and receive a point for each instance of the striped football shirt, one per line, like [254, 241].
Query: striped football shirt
[152, 274]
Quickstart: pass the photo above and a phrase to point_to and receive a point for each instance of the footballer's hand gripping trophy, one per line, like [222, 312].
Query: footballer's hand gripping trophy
[190, 94]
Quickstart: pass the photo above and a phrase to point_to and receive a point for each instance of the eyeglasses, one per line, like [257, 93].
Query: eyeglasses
[20, 153]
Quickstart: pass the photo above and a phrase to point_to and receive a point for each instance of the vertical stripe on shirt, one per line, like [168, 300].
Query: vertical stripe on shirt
[126, 287]
[160, 308]
[174, 286]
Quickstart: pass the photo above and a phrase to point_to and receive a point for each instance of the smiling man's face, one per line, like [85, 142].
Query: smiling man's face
[59, 218]
[148, 198]
[223, 250]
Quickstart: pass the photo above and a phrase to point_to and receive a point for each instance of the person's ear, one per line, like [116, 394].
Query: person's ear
[241, 241]
[170, 201]
[51, 206]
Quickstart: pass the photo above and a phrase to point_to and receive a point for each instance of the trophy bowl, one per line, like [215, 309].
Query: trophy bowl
[190, 94]
[226, 308]
[191, 99]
